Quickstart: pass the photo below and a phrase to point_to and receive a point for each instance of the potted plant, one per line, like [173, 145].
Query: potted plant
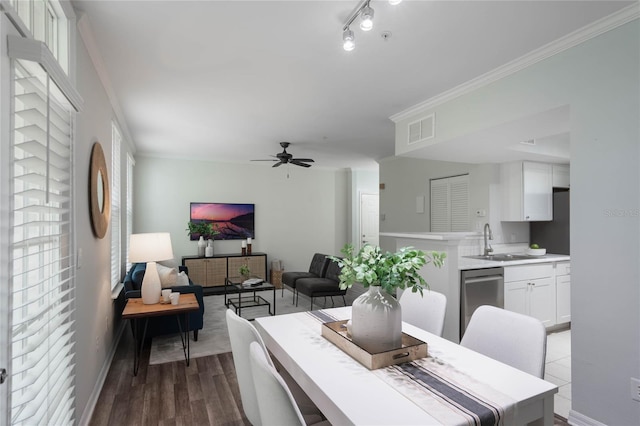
[244, 271]
[203, 230]
[376, 316]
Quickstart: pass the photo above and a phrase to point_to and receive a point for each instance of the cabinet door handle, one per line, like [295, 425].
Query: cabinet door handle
[3, 375]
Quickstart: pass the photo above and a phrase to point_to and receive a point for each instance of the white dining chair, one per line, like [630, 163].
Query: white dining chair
[509, 337]
[275, 401]
[241, 334]
[425, 311]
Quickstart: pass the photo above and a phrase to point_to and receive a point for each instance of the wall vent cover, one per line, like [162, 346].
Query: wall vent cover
[422, 129]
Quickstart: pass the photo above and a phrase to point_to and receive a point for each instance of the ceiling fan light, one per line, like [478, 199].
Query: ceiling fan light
[348, 40]
[394, 2]
[366, 23]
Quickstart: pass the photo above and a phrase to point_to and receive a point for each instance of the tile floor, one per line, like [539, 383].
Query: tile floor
[558, 369]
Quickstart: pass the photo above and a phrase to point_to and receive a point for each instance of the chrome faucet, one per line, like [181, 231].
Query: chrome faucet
[487, 233]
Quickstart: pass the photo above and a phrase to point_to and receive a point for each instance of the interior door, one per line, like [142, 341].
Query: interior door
[369, 219]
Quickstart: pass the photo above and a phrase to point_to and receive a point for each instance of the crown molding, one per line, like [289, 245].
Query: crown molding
[86, 33]
[601, 26]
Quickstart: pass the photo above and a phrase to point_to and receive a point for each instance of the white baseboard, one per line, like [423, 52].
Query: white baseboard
[93, 399]
[578, 419]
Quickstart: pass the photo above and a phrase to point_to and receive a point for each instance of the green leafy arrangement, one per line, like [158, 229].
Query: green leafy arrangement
[244, 270]
[205, 229]
[391, 271]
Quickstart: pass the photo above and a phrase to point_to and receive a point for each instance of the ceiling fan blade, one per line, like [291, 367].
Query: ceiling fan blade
[265, 160]
[277, 164]
[298, 163]
[306, 160]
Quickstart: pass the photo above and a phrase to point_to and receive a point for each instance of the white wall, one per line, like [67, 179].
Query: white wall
[406, 178]
[294, 217]
[96, 313]
[600, 80]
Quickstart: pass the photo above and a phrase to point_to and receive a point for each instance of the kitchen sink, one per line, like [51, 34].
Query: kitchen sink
[503, 257]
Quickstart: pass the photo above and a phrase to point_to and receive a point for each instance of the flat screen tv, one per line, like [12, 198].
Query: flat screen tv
[233, 221]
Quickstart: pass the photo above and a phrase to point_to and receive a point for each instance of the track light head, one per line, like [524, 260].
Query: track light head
[366, 16]
[348, 40]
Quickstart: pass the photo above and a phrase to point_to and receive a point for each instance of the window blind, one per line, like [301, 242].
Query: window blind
[116, 247]
[130, 164]
[41, 251]
[450, 204]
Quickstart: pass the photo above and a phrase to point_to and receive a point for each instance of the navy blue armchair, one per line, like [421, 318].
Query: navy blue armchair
[167, 324]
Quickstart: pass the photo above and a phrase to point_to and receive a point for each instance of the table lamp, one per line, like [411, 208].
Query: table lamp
[150, 248]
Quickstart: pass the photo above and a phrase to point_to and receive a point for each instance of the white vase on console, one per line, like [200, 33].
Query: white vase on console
[201, 246]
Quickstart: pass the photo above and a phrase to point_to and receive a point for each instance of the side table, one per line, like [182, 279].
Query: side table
[135, 310]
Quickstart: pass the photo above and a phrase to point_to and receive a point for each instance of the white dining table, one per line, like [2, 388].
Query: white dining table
[348, 393]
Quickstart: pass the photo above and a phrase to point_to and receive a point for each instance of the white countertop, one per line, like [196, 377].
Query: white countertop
[439, 236]
[465, 263]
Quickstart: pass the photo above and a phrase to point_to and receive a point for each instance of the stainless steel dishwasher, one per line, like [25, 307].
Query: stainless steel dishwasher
[479, 287]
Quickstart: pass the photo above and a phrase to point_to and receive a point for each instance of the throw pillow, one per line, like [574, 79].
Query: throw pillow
[168, 276]
[183, 279]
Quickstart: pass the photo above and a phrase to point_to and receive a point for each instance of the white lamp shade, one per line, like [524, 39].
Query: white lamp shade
[150, 247]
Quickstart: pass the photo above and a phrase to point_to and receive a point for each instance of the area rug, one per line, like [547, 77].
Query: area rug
[214, 339]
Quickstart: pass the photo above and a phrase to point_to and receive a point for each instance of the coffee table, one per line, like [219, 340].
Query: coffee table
[233, 285]
[135, 310]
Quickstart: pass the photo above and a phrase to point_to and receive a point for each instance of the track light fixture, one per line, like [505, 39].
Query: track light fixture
[348, 39]
[366, 18]
[366, 23]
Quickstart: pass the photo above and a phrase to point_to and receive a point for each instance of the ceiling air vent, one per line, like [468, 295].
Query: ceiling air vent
[422, 129]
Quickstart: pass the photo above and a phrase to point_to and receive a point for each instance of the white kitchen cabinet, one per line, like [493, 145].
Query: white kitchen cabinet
[531, 290]
[563, 292]
[560, 175]
[527, 191]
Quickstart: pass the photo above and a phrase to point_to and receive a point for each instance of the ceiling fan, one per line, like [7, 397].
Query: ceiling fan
[284, 157]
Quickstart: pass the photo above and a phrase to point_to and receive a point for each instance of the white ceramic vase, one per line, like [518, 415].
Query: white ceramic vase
[151, 288]
[376, 321]
[201, 246]
[208, 251]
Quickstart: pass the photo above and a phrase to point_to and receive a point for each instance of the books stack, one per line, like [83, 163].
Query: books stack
[252, 282]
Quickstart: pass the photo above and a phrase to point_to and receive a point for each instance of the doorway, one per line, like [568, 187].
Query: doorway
[369, 219]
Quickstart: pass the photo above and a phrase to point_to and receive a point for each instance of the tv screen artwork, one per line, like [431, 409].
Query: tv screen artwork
[233, 221]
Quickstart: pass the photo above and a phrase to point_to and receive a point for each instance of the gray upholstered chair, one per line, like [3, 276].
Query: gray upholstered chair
[317, 269]
[329, 285]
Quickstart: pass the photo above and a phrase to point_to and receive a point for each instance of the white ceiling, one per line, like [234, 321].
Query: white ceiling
[227, 80]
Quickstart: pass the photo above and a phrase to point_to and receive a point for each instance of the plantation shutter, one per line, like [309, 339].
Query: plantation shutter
[450, 204]
[440, 217]
[116, 248]
[130, 164]
[459, 196]
[42, 267]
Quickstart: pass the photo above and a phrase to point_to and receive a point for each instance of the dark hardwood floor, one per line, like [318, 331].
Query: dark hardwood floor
[205, 393]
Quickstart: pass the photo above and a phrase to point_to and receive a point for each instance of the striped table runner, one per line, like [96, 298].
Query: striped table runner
[448, 395]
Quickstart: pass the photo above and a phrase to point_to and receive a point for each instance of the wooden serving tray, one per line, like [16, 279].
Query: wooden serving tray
[412, 348]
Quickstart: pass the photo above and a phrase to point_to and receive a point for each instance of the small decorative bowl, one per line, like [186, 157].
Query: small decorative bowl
[536, 252]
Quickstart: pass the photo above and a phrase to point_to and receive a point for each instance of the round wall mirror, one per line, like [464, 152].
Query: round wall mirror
[99, 194]
[100, 190]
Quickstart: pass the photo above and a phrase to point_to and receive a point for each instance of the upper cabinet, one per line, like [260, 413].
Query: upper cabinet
[527, 191]
[560, 174]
